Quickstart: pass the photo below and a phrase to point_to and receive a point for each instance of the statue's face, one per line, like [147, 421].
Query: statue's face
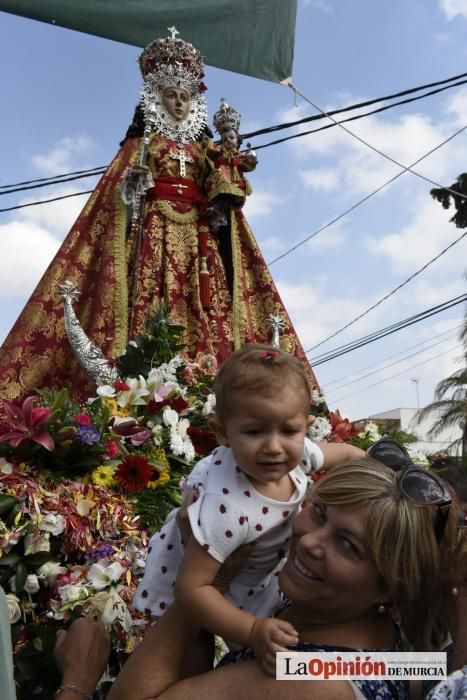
[230, 139]
[176, 102]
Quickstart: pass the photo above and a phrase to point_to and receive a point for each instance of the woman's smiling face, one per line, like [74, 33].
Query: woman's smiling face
[328, 568]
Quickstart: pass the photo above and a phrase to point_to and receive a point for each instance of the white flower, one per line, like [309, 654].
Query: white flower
[106, 390]
[14, 611]
[170, 417]
[49, 572]
[372, 431]
[320, 429]
[101, 575]
[157, 435]
[417, 456]
[5, 467]
[53, 523]
[37, 542]
[209, 405]
[72, 593]
[317, 397]
[180, 442]
[133, 343]
[113, 609]
[136, 395]
[32, 584]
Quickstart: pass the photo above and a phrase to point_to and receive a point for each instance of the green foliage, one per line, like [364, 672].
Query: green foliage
[447, 198]
[159, 344]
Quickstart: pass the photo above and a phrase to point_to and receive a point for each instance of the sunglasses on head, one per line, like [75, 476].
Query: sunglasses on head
[417, 484]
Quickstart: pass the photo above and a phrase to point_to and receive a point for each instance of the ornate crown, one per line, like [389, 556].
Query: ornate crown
[226, 118]
[173, 62]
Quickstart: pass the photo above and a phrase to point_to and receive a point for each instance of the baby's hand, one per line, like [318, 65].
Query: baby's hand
[268, 636]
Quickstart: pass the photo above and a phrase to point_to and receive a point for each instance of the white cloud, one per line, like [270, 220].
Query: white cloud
[27, 249]
[272, 245]
[321, 178]
[261, 203]
[55, 216]
[332, 239]
[452, 8]
[351, 168]
[322, 5]
[425, 236]
[457, 105]
[59, 158]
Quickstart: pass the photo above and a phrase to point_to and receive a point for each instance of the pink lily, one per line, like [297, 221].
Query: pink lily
[26, 423]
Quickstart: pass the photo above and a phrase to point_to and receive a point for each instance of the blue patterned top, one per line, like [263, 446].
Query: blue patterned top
[371, 689]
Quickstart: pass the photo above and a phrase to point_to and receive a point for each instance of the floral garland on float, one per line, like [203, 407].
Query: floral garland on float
[83, 487]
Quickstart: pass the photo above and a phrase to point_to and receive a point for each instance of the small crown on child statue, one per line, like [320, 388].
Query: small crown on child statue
[173, 62]
[226, 118]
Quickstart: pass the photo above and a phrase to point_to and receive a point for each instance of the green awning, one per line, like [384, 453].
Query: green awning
[254, 37]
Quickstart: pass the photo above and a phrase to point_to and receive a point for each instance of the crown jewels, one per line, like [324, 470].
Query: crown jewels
[226, 118]
[173, 62]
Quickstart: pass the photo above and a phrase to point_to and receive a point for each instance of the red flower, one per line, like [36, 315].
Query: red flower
[342, 429]
[82, 419]
[112, 449]
[134, 473]
[203, 440]
[178, 404]
[121, 386]
[25, 423]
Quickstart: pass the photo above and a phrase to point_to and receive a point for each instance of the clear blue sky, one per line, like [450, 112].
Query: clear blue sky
[67, 99]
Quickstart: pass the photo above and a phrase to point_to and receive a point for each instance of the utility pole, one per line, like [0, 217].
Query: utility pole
[416, 382]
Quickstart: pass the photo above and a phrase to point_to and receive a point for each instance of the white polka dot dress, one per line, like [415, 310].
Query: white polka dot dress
[228, 513]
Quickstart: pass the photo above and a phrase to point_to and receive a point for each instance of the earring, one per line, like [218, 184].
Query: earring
[381, 609]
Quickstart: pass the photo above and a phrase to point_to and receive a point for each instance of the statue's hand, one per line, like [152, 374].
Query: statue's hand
[137, 179]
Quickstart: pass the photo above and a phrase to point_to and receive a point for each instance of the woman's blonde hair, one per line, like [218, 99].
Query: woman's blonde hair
[419, 571]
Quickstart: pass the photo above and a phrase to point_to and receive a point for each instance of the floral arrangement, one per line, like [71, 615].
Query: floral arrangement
[82, 488]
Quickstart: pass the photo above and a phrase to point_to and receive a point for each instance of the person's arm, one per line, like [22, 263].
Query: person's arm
[81, 654]
[155, 671]
[336, 453]
[195, 591]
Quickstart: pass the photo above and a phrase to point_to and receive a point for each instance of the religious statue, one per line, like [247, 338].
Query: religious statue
[148, 234]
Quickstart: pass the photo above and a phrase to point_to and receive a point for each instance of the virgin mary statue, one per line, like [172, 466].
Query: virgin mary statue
[146, 235]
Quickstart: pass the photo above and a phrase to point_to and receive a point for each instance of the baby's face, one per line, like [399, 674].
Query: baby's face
[230, 139]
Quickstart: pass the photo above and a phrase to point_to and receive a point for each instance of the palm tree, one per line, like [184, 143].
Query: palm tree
[450, 407]
[450, 404]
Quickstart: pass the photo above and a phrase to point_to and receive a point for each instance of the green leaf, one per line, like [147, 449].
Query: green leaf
[10, 559]
[7, 503]
[20, 576]
[34, 561]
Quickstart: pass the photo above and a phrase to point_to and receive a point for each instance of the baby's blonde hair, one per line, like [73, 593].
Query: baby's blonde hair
[259, 369]
[418, 570]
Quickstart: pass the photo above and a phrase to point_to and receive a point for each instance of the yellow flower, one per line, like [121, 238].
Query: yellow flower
[164, 477]
[115, 409]
[103, 476]
[159, 459]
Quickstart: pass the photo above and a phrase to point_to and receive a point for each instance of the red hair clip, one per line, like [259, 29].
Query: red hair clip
[268, 355]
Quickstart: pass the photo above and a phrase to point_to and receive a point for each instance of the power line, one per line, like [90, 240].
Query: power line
[277, 127]
[46, 201]
[389, 330]
[363, 200]
[382, 381]
[374, 148]
[391, 293]
[52, 182]
[391, 357]
[349, 119]
[54, 177]
[359, 105]
[391, 364]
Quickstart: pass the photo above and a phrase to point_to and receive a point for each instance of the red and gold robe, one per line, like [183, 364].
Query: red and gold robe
[98, 255]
